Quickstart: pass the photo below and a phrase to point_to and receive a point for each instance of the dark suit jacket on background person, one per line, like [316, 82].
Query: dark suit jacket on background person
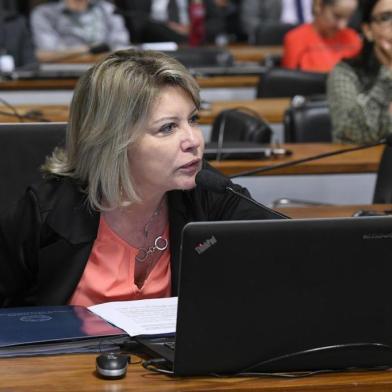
[46, 240]
[15, 39]
[142, 27]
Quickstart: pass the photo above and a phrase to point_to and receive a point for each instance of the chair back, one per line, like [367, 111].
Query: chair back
[271, 33]
[308, 120]
[240, 125]
[282, 82]
[383, 189]
[24, 147]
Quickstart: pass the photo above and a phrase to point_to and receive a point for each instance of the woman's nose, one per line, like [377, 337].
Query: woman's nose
[191, 138]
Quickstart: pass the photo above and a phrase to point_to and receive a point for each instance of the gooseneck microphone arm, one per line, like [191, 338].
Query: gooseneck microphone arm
[269, 211]
[387, 140]
[218, 183]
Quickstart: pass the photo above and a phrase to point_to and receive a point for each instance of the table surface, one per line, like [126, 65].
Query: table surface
[271, 109]
[364, 161]
[77, 373]
[241, 53]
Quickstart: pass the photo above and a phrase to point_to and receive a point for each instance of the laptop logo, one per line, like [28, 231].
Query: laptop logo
[201, 248]
[377, 236]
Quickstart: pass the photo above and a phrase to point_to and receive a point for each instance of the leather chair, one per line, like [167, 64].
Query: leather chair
[307, 120]
[282, 82]
[271, 34]
[383, 188]
[24, 147]
[240, 125]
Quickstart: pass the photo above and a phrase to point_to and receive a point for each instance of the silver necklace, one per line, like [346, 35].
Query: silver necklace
[160, 243]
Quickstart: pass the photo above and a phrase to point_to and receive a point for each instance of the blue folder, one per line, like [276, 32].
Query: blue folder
[55, 330]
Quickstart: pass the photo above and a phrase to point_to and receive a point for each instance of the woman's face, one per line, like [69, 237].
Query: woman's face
[330, 19]
[379, 30]
[169, 154]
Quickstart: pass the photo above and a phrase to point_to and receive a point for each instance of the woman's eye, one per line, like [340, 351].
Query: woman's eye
[194, 119]
[167, 128]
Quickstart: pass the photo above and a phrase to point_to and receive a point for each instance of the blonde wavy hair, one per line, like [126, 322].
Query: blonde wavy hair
[110, 106]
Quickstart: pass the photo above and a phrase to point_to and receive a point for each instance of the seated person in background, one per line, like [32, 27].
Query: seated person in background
[169, 20]
[156, 20]
[221, 21]
[15, 39]
[105, 223]
[256, 12]
[77, 26]
[359, 90]
[320, 45]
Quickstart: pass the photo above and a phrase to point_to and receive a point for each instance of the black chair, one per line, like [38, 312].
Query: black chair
[240, 125]
[271, 34]
[282, 82]
[307, 120]
[24, 147]
[383, 189]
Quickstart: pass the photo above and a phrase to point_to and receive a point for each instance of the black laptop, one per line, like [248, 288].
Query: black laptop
[283, 296]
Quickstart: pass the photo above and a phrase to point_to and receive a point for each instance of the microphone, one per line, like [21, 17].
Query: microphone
[387, 141]
[215, 182]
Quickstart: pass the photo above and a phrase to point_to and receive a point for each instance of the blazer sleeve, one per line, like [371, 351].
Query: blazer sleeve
[20, 228]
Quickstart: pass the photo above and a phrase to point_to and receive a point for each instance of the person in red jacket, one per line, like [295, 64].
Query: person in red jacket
[320, 45]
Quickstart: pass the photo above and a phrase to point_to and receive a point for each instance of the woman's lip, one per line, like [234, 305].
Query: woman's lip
[190, 164]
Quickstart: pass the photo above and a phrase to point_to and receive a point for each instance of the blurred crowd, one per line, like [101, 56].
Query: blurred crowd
[70, 26]
[350, 40]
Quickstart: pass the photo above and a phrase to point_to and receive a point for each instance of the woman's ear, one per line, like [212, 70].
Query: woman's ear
[367, 31]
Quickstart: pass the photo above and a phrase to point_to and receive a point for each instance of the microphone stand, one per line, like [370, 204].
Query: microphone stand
[303, 160]
[271, 212]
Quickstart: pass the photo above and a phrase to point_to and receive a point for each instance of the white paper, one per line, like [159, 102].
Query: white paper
[144, 317]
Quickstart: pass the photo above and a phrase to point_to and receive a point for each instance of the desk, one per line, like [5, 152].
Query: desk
[364, 161]
[271, 109]
[331, 211]
[76, 373]
[56, 113]
[212, 88]
[343, 179]
[254, 53]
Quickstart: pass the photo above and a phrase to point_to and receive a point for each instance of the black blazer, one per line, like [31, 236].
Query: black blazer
[46, 239]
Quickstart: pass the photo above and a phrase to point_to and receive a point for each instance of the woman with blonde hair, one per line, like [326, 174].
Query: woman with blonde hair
[105, 222]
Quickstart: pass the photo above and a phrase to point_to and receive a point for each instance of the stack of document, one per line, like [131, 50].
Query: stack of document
[55, 330]
[67, 329]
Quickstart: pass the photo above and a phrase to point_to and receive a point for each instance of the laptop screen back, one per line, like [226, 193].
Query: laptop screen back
[317, 292]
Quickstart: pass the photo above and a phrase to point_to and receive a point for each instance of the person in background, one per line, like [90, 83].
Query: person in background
[15, 39]
[256, 12]
[169, 20]
[105, 223]
[156, 20]
[320, 45]
[77, 26]
[359, 90]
